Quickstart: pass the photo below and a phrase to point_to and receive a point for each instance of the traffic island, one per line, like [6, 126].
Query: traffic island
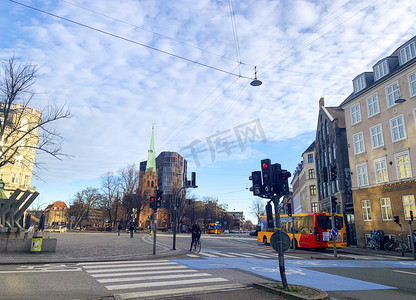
[294, 291]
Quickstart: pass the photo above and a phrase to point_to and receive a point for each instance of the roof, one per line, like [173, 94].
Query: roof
[57, 204]
[310, 148]
[392, 73]
[337, 113]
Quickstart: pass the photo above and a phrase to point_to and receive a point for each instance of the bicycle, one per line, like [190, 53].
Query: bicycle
[371, 244]
[196, 247]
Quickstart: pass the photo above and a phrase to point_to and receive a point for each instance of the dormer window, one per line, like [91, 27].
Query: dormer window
[359, 83]
[381, 70]
[407, 53]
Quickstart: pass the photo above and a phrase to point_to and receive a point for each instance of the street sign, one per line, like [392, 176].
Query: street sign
[334, 232]
[72, 218]
[275, 242]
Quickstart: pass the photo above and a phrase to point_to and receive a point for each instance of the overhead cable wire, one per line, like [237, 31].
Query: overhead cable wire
[148, 30]
[131, 41]
[235, 34]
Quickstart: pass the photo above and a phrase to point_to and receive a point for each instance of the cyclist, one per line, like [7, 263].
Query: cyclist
[196, 234]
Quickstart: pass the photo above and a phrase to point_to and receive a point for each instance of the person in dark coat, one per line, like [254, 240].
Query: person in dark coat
[131, 229]
[196, 234]
[27, 223]
[119, 227]
[41, 222]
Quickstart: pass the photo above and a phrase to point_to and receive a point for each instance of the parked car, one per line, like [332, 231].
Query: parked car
[226, 231]
[254, 232]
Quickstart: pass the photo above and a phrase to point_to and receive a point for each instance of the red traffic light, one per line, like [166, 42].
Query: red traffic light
[264, 166]
[286, 175]
[152, 199]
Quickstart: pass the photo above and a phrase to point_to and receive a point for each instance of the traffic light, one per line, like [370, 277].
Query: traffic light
[152, 202]
[333, 173]
[289, 209]
[411, 216]
[396, 219]
[334, 204]
[159, 199]
[193, 179]
[282, 182]
[267, 175]
[256, 178]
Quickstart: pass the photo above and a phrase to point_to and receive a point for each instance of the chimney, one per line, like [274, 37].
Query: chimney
[321, 102]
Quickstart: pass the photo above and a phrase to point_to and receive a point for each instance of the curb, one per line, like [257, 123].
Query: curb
[307, 293]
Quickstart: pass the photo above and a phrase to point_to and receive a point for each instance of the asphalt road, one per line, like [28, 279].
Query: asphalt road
[94, 265]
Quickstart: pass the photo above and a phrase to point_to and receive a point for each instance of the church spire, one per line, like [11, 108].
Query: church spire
[151, 159]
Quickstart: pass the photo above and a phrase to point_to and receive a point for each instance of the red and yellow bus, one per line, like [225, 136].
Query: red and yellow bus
[214, 228]
[312, 230]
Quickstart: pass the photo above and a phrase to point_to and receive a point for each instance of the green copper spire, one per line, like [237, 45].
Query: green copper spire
[151, 159]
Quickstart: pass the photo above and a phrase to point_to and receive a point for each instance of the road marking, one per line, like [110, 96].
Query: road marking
[182, 291]
[136, 264]
[181, 270]
[136, 269]
[192, 255]
[142, 278]
[120, 262]
[162, 283]
[404, 272]
[224, 254]
[207, 254]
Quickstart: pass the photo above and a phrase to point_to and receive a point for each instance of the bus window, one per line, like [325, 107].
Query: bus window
[304, 224]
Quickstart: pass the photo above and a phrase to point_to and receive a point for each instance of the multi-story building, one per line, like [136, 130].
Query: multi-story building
[19, 139]
[332, 151]
[56, 213]
[307, 181]
[381, 135]
[296, 191]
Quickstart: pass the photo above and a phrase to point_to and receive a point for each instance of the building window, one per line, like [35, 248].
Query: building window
[329, 155]
[358, 143]
[312, 188]
[355, 114]
[310, 158]
[408, 205]
[366, 206]
[403, 165]
[314, 207]
[372, 105]
[412, 84]
[392, 93]
[380, 167]
[386, 213]
[398, 129]
[407, 53]
[15, 178]
[359, 84]
[376, 133]
[311, 173]
[362, 174]
[380, 70]
[333, 151]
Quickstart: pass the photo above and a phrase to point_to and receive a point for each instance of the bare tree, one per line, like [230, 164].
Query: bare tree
[257, 209]
[22, 128]
[109, 186]
[84, 202]
[129, 182]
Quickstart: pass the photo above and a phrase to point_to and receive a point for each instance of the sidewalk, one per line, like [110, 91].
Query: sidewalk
[93, 246]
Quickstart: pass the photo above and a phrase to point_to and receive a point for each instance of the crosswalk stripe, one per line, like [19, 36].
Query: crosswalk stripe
[164, 277]
[207, 254]
[259, 255]
[128, 265]
[192, 255]
[181, 291]
[137, 269]
[120, 262]
[239, 254]
[224, 254]
[159, 284]
[141, 273]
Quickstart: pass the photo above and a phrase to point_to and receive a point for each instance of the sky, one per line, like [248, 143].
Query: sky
[186, 66]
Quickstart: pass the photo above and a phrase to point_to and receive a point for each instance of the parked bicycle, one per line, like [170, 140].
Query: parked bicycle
[376, 240]
[399, 246]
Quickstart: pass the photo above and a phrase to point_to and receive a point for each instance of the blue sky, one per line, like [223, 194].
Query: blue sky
[186, 66]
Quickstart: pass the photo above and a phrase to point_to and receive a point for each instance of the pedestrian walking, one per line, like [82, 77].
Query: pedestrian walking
[414, 239]
[131, 229]
[119, 227]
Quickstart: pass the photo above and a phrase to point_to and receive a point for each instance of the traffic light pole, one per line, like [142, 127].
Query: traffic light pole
[412, 240]
[154, 229]
[175, 216]
[334, 238]
[280, 242]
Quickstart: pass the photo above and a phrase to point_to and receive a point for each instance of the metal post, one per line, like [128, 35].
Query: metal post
[280, 242]
[334, 238]
[175, 216]
[412, 240]
[293, 233]
[154, 230]
[401, 234]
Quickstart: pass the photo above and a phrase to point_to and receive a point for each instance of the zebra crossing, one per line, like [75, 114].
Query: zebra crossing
[263, 255]
[154, 278]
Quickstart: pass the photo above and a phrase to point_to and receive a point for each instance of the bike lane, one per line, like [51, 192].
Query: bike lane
[297, 271]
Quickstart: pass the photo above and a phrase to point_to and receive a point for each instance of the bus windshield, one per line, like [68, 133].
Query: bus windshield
[325, 222]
